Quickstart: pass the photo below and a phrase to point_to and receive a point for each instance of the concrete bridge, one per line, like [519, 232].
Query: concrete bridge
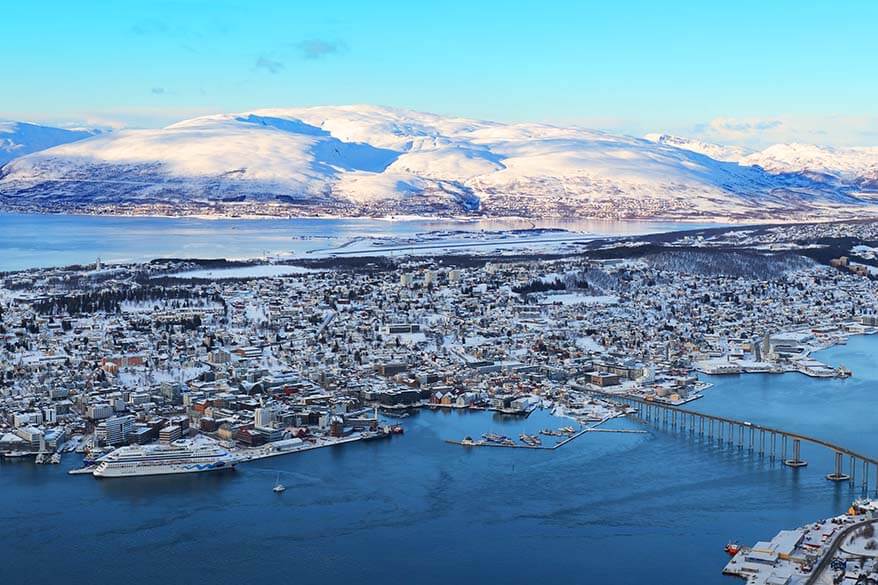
[756, 438]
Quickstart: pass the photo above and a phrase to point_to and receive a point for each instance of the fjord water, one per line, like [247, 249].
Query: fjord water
[37, 241]
[607, 508]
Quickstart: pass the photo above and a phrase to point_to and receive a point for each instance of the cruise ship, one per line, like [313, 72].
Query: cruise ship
[179, 457]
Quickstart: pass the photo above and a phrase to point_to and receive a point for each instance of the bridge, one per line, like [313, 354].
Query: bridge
[754, 437]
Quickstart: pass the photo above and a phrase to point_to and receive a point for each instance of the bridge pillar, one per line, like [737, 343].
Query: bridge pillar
[796, 460]
[865, 477]
[853, 470]
[762, 442]
[838, 474]
[740, 436]
[752, 438]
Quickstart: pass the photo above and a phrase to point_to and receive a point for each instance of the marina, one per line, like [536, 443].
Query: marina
[609, 468]
[350, 357]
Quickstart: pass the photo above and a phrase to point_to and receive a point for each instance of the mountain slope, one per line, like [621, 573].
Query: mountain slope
[715, 151]
[20, 138]
[370, 160]
[855, 166]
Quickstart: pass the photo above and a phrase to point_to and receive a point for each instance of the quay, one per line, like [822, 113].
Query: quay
[833, 550]
[754, 437]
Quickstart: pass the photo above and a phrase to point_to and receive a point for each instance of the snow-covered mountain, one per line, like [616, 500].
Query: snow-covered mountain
[372, 160]
[855, 166]
[20, 138]
[715, 151]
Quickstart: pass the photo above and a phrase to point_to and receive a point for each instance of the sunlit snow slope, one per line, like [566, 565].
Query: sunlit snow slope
[373, 160]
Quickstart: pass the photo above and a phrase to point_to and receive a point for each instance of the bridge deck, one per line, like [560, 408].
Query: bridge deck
[731, 421]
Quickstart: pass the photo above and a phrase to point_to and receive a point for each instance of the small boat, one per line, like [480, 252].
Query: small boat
[843, 372]
[732, 548]
[531, 440]
[278, 486]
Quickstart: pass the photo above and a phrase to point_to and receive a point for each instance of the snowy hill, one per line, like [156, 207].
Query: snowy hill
[354, 160]
[856, 166]
[20, 138]
[715, 151]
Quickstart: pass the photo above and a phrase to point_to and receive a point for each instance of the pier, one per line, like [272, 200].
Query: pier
[588, 429]
[777, 444]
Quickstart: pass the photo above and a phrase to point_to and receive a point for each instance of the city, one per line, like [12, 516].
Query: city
[458, 292]
[120, 363]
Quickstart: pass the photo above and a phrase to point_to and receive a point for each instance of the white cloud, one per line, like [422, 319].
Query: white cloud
[759, 132]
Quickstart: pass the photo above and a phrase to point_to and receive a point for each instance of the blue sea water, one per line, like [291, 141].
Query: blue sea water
[28, 241]
[651, 508]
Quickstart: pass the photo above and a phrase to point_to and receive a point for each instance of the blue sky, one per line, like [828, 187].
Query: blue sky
[739, 72]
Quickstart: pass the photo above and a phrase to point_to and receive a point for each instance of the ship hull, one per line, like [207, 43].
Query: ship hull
[111, 471]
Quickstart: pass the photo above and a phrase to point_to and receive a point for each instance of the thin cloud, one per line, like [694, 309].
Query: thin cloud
[320, 48]
[759, 132]
[158, 91]
[270, 65]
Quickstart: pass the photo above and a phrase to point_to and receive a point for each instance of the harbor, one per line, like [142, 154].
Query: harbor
[290, 364]
[837, 550]
[567, 434]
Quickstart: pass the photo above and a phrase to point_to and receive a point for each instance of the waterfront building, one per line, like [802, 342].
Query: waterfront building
[118, 429]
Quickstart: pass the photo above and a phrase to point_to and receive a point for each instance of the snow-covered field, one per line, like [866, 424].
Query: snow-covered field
[255, 271]
[575, 298]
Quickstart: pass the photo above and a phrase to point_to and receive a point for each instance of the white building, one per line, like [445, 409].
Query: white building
[118, 429]
[263, 417]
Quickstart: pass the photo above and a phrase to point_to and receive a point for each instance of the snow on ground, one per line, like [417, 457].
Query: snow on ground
[575, 298]
[589, 344]
[150, 306]
[873, 270]
[865, 251]
[499, 242]
[849, 163]
[256, 271]
[423, 163]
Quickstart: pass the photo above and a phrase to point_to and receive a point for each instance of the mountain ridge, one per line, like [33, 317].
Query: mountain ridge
[371, 160]
[22, 138]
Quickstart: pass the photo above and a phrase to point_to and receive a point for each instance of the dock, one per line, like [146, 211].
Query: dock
[590, 429]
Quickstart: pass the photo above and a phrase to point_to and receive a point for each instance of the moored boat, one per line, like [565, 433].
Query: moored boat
[179, 457]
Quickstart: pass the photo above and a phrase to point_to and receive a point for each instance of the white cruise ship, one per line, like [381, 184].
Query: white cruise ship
[179, 457]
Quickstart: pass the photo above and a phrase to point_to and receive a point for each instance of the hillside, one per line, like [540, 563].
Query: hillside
[366, 160]
[20, 138]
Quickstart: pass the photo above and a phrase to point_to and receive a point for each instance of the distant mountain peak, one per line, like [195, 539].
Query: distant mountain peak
[715, 151]
[372, 160]
[23, 138]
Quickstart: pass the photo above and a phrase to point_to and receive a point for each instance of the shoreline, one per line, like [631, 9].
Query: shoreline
[719, 221]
